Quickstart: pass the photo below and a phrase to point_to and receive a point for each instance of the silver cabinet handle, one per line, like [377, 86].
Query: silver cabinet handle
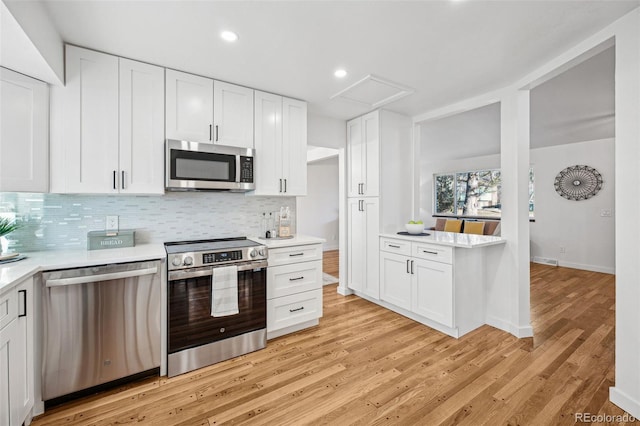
[408, 266]
[285, 185]
[122, 183]
[211, 132]
[391, 245]
[412, 267]
[430, 252]
[114, 179]
[297, 309]
[296, 279]
[280, 190]
[216, 133]
[296, 254]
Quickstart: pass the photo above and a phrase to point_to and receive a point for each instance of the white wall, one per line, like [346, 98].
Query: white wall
[577, 226]
[326, 131]
[317, 212]
[588, 238]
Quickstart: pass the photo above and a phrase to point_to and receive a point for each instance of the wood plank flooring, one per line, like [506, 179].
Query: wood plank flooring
[330, 263]
[365, 365]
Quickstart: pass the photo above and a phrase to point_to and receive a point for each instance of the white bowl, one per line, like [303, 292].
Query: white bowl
[414, 228]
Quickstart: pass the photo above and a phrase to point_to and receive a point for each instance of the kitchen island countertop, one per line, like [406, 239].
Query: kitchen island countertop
[297, 240]
[14, 272]
[451, 239]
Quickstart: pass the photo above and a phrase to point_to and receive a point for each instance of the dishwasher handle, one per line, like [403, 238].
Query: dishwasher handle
[101, 277]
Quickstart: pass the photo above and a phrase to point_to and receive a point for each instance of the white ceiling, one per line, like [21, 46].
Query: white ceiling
[577, 105]
[446, 51]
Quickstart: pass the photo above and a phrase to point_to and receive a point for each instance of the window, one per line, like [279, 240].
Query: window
[473, 194]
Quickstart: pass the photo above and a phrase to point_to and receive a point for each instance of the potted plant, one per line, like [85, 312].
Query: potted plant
[6, 226]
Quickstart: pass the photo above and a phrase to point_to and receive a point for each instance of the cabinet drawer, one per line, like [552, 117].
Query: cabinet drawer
[8, 307]
[296, 254]
[291, 310]
[295, 278]
[433, 252]
[395, 246]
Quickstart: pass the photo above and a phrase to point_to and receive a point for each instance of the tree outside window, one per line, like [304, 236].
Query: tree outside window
[473, 194]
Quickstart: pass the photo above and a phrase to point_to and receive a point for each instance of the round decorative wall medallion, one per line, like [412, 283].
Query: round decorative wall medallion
[578, 183]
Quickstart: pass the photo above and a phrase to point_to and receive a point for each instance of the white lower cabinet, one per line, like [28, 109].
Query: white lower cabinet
[432, 290]
[16, 354]
[294, 289]
[362, 246]
[413, 282]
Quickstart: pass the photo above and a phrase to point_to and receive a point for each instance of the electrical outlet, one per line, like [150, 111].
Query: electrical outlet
[111, 223]
[605, 213]
[563, 250]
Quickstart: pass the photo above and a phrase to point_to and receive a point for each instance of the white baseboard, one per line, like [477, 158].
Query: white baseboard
[624, 401]
[345, 291]
[330, 246]
[573, 265]
[592, 268]
[520, 332]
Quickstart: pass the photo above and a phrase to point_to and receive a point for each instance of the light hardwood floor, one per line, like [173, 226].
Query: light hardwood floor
[366, 365]
[330, 263]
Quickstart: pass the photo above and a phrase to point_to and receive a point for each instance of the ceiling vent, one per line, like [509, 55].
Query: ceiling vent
[374, 92]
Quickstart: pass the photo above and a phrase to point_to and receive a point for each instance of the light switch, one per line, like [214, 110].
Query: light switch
[605, 213]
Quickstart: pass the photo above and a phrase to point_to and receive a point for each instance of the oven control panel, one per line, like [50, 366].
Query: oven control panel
[224, 256]
[195, 259]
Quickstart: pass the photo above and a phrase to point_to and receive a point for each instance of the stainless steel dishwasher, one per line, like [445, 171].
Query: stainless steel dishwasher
[101, 324]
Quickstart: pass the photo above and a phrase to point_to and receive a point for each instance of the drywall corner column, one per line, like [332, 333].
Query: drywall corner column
[626, 392]
[342, 222]
[507, 282]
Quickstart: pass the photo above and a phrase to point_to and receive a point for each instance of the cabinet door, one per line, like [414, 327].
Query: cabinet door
[189, 107]
[268, 142]
[294, 146]
[141, 128]
[371, 154]
[89, 134]
[356, 246]
[232, 115]
[24, 133]
[395, 279]
[371, 285]
[433, 291]
[355, 153]
[22, 366]
[7, 340]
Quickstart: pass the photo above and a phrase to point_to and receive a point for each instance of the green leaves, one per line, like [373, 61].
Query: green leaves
[7, 226]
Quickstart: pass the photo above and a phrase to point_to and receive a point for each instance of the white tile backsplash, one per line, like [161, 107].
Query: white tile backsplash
[57, 221]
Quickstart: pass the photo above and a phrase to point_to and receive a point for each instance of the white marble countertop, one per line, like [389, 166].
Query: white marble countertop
[452, 239]
[298, 240]
[14, 272]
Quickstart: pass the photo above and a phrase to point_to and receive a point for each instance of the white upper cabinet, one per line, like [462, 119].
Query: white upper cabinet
[294, 142]
[232, 115]
[189, 107]
[141, 128]
[24, 133]
[86, 110]
[281, 145]
[363, 155]
[107, 126]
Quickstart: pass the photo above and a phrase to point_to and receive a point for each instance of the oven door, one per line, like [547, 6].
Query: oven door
[189, 311]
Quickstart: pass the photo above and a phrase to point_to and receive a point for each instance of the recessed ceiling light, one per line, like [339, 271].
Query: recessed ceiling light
[229, 36]
[340, 73]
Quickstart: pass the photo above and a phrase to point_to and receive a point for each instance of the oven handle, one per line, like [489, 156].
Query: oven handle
[183, 275]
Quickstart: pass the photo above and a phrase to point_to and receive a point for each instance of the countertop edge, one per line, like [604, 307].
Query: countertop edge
[480, 240]
[298, 240]
[12, 274]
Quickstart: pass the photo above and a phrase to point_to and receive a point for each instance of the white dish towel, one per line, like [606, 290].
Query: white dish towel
[224, 291]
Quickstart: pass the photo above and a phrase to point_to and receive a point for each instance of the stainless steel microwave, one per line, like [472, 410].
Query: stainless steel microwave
[193, 166]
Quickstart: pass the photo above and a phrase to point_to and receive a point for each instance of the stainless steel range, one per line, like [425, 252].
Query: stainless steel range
[217, 301]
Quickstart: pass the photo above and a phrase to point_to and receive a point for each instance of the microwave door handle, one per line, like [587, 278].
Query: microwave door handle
[238, 169]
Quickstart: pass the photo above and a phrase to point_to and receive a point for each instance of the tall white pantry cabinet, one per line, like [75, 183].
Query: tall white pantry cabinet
[379, 182]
